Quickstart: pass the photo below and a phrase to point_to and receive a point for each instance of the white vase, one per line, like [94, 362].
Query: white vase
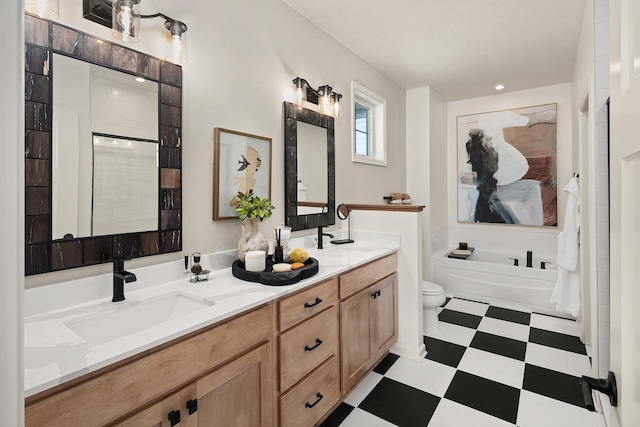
[251, 239]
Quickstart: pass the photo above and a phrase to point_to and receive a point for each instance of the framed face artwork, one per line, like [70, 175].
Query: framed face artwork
[242, 165]
[507, 167]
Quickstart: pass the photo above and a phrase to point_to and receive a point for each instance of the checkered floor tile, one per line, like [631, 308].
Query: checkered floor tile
[488, 366]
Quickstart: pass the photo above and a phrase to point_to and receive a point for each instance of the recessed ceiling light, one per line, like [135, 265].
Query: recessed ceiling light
[499, 87]
[140, 79]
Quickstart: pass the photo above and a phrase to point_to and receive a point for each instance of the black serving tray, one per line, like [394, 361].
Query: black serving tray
[268, 277]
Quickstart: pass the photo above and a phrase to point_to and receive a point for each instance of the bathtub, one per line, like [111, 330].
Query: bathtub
[491, 277]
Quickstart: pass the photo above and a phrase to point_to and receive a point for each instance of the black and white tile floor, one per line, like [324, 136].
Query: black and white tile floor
[488, 366]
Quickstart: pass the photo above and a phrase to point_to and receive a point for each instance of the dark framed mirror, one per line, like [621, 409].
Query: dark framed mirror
[309, 168]
[61, 223]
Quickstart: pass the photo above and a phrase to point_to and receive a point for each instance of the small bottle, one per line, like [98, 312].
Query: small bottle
[278, 254]
[196, 268]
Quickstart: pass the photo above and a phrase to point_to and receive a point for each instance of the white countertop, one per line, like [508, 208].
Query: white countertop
[55, 354]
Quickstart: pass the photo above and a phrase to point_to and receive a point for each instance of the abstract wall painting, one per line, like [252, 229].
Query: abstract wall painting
[242, 164]
[507, 167]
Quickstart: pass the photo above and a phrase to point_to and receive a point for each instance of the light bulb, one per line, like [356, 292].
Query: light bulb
[125, 19]
[176, 47]
[336, 108]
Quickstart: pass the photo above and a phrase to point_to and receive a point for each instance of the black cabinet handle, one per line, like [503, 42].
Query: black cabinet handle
[307, 305]
[374, 295]
[318, 342]
[311, 405]
[192, 406]
[174, 418]
[378, 292]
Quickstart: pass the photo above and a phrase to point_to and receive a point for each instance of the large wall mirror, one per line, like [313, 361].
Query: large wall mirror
[102, 150]
[309, 167]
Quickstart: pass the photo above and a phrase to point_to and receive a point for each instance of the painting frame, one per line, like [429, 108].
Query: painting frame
[253, 155]
[507, 166]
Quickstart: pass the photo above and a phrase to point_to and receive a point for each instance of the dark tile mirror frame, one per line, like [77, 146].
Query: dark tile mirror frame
[293, 114]
[43, 254]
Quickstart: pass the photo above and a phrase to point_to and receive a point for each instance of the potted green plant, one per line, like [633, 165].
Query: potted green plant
[252, 210]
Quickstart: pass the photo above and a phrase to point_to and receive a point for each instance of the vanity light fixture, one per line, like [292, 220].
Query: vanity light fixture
[123, 16]
[48, 9]
[324, 97]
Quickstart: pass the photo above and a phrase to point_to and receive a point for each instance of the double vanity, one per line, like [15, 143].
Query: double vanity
[219, 352]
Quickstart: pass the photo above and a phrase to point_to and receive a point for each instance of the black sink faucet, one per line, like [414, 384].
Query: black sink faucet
[321, 234]
[120, 277]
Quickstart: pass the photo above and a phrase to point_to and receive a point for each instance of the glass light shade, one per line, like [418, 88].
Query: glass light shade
[301, 91]
[177, 48]
[336, 107]
[324, 100]
[126, 20]
[48, 9]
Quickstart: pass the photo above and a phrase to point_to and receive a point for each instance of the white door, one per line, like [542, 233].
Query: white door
[624, 39]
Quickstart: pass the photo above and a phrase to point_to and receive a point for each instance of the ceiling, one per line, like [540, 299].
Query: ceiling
[461, 48]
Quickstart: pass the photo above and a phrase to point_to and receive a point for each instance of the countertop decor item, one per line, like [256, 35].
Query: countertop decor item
[461, 253]
[255, 261]
[268, 277]
[252, 210]
[343, 212]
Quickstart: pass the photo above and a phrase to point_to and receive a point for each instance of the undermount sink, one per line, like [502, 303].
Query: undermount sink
[134, 316]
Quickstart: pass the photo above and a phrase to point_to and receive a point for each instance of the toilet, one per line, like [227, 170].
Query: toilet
[432, 298]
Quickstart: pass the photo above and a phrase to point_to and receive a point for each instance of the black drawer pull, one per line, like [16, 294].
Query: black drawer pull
[192, 406]
[311, 405]
[318, 342]
[375, 294]
[174, 418]
[307, 305]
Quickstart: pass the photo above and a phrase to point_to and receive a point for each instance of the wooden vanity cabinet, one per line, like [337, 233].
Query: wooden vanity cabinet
[227, 367]
[368, 312]
[308, 354]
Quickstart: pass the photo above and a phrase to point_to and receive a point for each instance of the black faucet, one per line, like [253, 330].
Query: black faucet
[120, 277]
[321, 234]
[530, 259]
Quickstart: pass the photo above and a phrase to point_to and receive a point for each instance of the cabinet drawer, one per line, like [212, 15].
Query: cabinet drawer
[301, 306]
[309, 401]
[306, 346]
[358, 279]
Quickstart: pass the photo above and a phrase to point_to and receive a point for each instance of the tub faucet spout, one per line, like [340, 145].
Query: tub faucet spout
[530, 259]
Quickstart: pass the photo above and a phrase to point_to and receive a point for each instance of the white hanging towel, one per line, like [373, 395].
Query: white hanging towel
[566, 294]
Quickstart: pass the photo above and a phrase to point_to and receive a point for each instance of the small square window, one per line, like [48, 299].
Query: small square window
[368, 136]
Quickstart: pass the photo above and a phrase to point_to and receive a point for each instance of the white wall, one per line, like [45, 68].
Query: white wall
[12, 216]
[242, 57]
[426, 163]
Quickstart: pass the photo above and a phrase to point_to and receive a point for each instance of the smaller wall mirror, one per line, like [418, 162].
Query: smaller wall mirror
[309, 168]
